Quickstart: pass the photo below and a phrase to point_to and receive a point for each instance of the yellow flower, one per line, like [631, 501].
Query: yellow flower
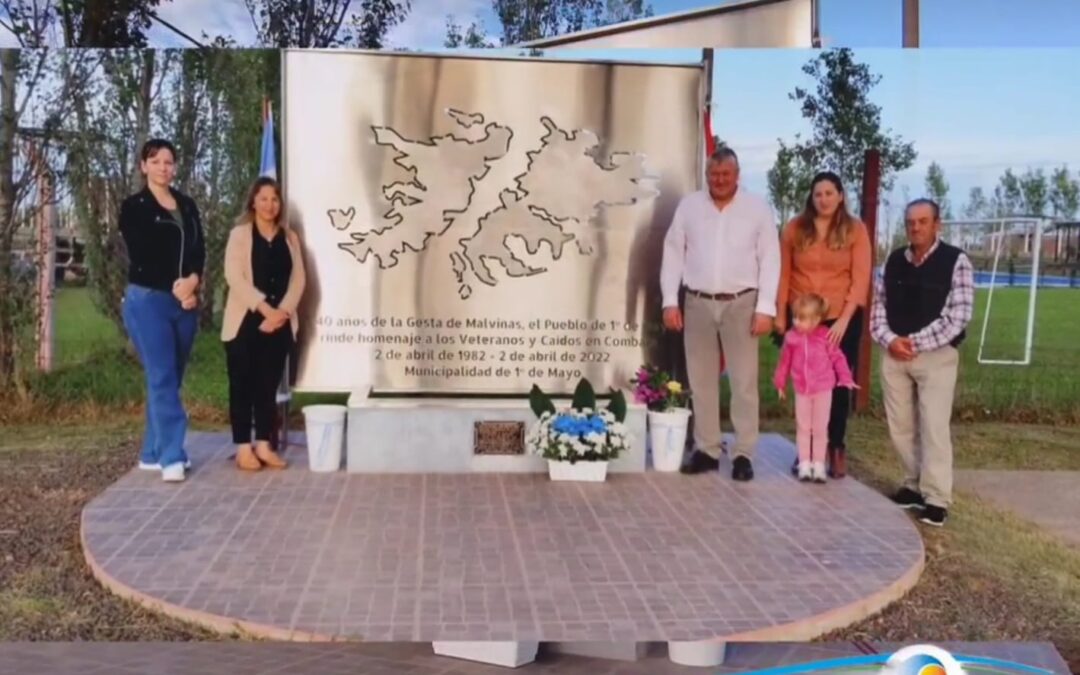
[674, 387]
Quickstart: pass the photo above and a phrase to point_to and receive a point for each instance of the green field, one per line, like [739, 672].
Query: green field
[93, 366]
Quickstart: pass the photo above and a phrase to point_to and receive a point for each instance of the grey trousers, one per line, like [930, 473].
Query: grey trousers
[730, 321]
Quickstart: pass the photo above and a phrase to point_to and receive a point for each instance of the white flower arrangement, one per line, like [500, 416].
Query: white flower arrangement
[580, 433]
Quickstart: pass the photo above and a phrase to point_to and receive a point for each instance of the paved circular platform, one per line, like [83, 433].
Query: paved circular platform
[643, 557]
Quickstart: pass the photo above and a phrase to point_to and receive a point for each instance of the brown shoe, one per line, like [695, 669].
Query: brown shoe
[838, 462]
[268, 457]
[246, 460]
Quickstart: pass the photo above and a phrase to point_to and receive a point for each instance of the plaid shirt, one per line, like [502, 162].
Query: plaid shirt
[959, 307]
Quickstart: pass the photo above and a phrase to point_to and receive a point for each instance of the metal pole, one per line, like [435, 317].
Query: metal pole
[871, 187]
[1033, 291]
[911, 24]
[815, 24]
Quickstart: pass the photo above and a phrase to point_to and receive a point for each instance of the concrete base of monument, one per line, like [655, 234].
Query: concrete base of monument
[507, 654]
[408, 435]
[515, 654]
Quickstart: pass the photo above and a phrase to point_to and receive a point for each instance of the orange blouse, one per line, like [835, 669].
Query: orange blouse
[838, 275]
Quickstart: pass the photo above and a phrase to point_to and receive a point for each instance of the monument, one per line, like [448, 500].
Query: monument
[477, 226]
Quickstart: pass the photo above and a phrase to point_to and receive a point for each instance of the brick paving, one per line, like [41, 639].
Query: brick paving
[651, 556]
[149, 658]
[1050, 499]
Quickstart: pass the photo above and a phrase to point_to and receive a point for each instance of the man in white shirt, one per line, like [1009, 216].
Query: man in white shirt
[723, 245]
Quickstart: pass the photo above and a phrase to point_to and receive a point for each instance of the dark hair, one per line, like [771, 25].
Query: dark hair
[724, 152]
[924, 201]
[155, 145]
[248, 216]
[842, 223]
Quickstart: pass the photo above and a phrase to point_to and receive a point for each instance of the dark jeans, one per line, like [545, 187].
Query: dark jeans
[841, 396]
[163, 334]
[256, 362]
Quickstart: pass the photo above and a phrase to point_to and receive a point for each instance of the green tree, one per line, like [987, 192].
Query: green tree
[846, 122]
[81, 23]
[1034, 188]
[978, 206]
[1008, 197]
[527, 20]
[469, 37]
[938, 188]
[789, 179]
[1064, 194]
[325, 23]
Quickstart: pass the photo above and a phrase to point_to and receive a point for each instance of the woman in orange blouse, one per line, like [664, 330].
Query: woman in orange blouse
[825, 250]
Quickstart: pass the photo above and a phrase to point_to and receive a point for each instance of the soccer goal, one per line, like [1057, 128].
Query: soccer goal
[1005, 253]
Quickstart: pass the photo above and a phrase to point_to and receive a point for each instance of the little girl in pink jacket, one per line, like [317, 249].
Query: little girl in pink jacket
[815, 366]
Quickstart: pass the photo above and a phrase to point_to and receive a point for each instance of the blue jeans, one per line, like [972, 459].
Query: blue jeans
[163, 333]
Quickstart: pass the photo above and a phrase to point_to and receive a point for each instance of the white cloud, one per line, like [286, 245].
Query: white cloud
[425, 26]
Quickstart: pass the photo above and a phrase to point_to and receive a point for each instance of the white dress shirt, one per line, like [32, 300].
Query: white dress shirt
[728, 251]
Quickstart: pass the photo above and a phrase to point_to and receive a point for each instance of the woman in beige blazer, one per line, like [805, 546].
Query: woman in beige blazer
[264, 269]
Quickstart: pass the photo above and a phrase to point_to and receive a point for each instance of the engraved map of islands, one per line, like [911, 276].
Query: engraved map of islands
[559, 200]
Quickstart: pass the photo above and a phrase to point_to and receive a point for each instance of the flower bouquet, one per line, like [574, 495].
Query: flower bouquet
[657, 390]
[578, 442]
[669, 418]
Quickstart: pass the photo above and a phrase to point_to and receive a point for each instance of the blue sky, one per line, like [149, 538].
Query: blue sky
[974, 110]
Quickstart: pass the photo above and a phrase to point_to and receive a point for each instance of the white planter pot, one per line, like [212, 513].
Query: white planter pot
[506, 654]
[667, 438]
[593, 472]
[707, 654]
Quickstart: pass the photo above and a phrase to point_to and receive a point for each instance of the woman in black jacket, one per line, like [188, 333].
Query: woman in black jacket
[167, 253]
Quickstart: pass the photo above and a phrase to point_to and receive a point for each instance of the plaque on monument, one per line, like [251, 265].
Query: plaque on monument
[479, 225]
[499, 437]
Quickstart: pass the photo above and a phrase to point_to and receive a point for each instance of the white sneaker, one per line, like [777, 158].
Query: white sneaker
[147, 466]
[174, 473]
[818, 472]
[805, 471]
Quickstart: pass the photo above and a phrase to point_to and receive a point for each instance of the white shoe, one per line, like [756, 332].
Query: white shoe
[147, 466]
[174, 473]
[818, 472]
[805, 471]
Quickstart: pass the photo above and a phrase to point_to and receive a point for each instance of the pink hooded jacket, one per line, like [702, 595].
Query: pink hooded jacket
[814, 364]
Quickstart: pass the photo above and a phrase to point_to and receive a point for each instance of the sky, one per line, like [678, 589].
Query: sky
[973, 109]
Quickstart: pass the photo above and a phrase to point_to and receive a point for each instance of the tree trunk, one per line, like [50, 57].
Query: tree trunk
[142, 113]
[9, 66]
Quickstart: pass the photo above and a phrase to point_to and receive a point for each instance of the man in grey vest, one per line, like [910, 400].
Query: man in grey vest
[724, 247]
[922, 305]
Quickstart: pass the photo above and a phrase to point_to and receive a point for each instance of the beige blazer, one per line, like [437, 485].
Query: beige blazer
[243, 296]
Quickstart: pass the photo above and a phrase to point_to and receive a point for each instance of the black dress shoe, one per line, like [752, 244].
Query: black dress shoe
[700, 463]
[742, 469]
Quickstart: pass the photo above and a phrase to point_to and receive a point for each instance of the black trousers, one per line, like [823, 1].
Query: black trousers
[841, 396]
[256, 363]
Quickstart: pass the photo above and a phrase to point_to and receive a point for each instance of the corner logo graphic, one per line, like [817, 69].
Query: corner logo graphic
[922, 660]
[913, 660]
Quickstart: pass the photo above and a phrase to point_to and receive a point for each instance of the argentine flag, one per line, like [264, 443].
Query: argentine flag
[268, 160]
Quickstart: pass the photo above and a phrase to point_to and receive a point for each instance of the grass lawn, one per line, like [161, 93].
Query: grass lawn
[94, 369]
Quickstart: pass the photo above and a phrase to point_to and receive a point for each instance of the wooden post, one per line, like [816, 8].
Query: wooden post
[871, 187]
[46, 260]
[911, 24]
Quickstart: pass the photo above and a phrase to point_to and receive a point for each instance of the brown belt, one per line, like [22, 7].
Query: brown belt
[720, 296]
